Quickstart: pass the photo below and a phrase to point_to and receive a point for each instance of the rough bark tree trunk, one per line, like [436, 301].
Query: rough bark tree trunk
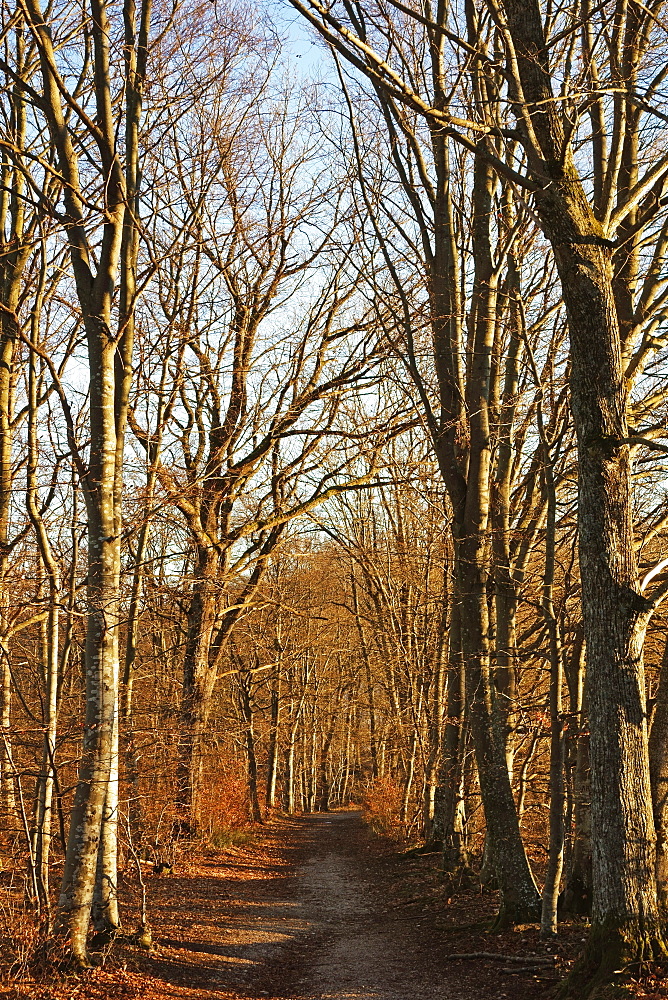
[626, 925]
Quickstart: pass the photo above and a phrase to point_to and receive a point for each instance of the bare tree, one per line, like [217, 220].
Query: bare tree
[102, 258]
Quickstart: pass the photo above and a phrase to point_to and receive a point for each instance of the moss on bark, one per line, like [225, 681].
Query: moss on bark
[615, 953]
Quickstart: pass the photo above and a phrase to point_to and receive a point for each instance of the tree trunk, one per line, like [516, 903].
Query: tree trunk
[41, 834]
[433, 828]
[625, 915]
[43, 820]
[96, 275]
[245, 703]
[409, 774]
[658, 759]
[105, 915]
[198, 679]
[128, 739]
[272, 759]
[311, 755]
[555, 862]
[289, 778]
[520, 901]
[506, 586]
[577, 894]
[7, 797]
[98, 754]
[453, 812]
[524, 773]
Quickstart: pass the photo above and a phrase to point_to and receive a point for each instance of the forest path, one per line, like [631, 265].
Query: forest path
[321, 910]
[354, 949]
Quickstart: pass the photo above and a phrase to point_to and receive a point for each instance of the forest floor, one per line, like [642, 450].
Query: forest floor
[318, 908]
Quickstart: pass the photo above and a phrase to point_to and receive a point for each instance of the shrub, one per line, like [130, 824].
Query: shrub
[20, 938]
[225, 819]
[381, 806]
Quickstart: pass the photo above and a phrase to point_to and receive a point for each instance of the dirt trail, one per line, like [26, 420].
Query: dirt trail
[355, 950]
[318, 914]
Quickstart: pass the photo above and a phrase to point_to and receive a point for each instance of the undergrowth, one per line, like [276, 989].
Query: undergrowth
[222, 837]
[381, 809]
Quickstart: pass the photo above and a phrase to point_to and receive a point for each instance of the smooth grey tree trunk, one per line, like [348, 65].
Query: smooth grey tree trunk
[43, 816]
[97, 276]
[453, 812]
[555, 862]
[273, 749]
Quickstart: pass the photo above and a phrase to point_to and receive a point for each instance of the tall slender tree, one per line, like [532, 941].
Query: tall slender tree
[102, 260]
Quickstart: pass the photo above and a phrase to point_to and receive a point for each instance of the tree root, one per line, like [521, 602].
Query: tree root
[496, 956]
[615, 953]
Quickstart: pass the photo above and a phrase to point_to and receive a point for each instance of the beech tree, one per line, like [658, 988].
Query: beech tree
[102, 258]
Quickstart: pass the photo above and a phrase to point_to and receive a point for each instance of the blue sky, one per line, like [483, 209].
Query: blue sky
[302, 49]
